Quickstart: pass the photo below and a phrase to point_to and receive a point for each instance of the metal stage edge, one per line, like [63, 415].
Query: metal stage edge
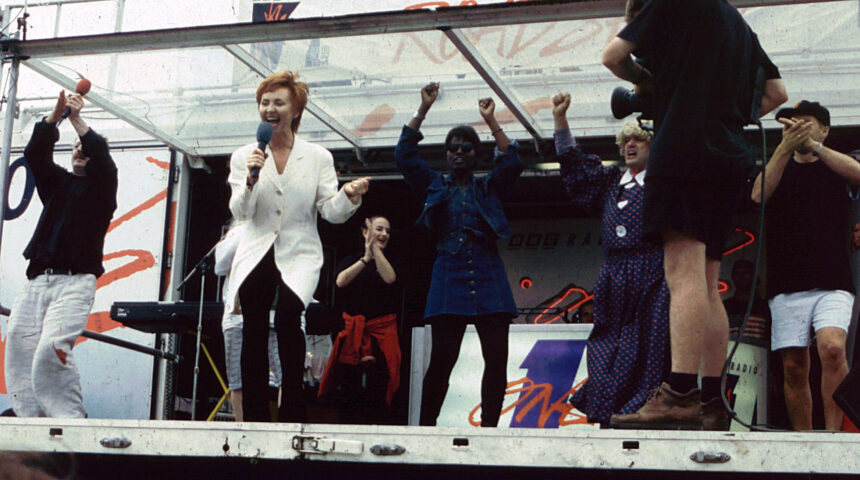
[612, 450]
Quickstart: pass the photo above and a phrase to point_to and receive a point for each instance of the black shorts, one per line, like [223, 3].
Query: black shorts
[703, 208]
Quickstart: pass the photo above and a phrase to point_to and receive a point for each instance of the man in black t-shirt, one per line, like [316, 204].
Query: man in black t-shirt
[808, 189]
[65, 255]
[704, 66]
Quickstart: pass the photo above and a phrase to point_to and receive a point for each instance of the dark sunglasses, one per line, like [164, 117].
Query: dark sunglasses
[466, 147]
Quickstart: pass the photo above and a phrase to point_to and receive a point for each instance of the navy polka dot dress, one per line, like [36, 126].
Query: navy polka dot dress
[628, 350]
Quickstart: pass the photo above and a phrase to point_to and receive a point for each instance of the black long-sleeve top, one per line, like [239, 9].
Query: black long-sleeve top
[77, 209]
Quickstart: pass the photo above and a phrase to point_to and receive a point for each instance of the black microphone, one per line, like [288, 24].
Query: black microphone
[83, 88]
[264, 136]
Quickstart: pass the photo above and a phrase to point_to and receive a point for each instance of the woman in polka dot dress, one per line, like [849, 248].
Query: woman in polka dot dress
[628, 350]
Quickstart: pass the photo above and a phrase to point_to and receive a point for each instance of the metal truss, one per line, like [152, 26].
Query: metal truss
[488, 73]
[67, 82]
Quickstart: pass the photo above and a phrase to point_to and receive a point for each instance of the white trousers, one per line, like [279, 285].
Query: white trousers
[49, 314]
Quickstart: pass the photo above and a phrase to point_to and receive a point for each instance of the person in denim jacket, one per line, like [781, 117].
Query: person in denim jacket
[469, 285]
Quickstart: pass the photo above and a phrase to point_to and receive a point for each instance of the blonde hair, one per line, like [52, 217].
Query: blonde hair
[631, 130]
[298, 92]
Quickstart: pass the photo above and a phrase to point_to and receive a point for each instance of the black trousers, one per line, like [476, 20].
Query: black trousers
[256, 295]
[447, 335]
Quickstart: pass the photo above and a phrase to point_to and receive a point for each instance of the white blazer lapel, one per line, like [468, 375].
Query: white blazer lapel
[300, 149]
[269, 170]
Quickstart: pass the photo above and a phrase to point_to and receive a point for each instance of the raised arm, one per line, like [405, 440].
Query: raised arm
[509, 165]
[618, 58]
[560, 104]
[794, 135]
[428, 96]
[844, 165]
[93, 145]
[39, 152]
[584, 177]
[416, 173]
[487, 108]
[774, 95]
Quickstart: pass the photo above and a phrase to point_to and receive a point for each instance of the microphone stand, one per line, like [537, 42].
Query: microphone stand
[202, 267]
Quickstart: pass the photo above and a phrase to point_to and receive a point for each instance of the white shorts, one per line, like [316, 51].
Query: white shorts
[233, 358]
[796, 315]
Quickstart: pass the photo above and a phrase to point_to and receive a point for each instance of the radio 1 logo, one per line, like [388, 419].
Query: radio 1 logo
[553, 240]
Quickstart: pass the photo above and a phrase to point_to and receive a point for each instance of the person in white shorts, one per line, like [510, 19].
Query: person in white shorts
[808, 189]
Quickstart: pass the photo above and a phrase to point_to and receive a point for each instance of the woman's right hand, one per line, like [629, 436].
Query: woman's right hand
[257, 158]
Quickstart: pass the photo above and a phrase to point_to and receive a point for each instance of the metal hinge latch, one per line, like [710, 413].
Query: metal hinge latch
[321, 445]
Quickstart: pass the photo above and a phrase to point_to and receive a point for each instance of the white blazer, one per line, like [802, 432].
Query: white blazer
[281, 210]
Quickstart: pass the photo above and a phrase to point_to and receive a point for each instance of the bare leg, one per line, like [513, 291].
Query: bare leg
[684, 259]
[798, 397]
[236, 401]
[715, 336]
[834, 369]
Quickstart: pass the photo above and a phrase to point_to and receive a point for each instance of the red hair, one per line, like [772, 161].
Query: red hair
[298, 92]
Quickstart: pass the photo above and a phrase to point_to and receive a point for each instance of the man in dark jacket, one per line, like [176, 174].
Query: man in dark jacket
[65, 255]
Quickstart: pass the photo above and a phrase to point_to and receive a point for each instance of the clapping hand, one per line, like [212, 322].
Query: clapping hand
[797, 134]
[369, 238]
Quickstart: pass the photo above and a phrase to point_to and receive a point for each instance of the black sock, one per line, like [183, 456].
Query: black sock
[710, 388]
[683, 382]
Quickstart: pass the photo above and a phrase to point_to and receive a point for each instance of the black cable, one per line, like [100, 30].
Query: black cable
[725, 373]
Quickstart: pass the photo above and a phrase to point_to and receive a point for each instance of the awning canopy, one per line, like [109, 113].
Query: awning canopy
[193, 88]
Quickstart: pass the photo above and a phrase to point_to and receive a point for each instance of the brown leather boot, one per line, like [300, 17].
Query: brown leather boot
[714, 416]
[665, 409]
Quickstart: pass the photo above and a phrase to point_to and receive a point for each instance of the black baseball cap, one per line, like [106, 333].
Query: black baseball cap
[806, 107]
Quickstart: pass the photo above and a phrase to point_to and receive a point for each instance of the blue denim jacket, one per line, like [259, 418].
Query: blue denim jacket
[434, 189]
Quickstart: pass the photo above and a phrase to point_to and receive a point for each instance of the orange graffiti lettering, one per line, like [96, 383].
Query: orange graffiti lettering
[274, 13]
[158, 163]
[143, 261]
[535, 394]
[375, 120]
[518, 46]
[146, 205]
[419, 6]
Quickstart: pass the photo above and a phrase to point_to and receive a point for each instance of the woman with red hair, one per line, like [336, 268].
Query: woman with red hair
[279, 252]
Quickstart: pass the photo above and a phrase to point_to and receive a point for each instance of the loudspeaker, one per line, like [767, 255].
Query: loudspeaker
[847, 396]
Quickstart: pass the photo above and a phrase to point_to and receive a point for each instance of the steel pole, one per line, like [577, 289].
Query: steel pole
[8, 124]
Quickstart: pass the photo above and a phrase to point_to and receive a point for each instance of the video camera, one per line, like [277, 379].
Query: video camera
[624, 102]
